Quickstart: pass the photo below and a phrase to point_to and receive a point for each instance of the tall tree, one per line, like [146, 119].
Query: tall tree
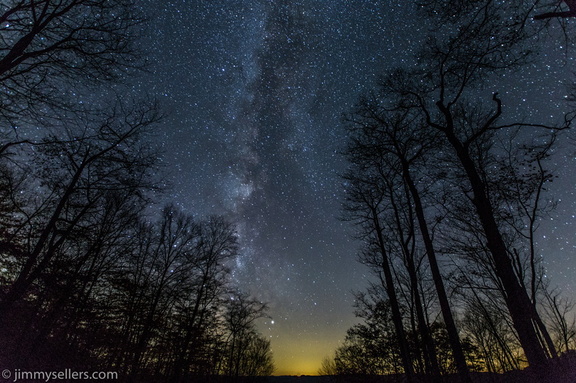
[398, 142]
[365, 202]
[76, 176]
[480, 42]
[202, 297]
[242, 339]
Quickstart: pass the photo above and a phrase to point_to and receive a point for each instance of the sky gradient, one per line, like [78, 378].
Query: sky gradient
[254, 92]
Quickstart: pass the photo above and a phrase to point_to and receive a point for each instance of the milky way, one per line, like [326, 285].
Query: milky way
[254, 92]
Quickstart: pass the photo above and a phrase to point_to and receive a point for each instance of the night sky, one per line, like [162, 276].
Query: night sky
[254, 91]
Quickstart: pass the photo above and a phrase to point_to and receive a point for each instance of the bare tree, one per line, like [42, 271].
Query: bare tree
[560, 311]
[327, 367]
[48, 45]
[202, 297]
[364, 206]
[247, 352]
[76, 176]
[371, 347]
[168, 299]
[482, 43]
[397, 144]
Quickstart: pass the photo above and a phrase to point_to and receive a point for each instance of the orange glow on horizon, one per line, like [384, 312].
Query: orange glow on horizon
[298, 356]
[297, 366]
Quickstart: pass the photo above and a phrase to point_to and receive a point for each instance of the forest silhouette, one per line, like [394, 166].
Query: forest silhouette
[445, 188]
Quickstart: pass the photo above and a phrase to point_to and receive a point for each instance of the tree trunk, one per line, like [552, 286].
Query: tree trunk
[396, 316]
[430, 358]
[453, 336]
[517, 299]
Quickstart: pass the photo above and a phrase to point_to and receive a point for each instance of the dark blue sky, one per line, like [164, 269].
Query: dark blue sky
[254, 92]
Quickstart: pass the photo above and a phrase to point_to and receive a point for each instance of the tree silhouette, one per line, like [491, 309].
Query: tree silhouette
[90, 278]
[47, 45]
[570, 13]
[248, 354]
[483, 181]
[438, 90]
[85, 170]
[397, 143]
[365, 201]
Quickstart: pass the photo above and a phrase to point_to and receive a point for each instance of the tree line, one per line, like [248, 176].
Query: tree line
[446, 187]
[91, 278]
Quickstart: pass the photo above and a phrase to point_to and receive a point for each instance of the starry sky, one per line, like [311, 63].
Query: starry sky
[254, 91]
